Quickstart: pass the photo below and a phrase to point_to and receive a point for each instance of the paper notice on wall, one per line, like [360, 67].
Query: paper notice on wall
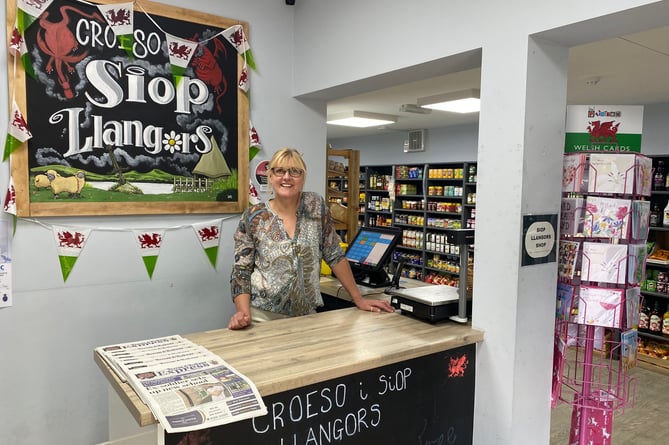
[5, 266]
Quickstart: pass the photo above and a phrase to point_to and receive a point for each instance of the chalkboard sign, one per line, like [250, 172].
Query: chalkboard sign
[425, 401]
[143, 134]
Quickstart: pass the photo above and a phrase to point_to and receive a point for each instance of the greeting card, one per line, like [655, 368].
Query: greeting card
[640, 219]
[600, 306]
[571, 216]
[604, 263]
[632, 304]
[573, 167]
[644, 175]
[611, 173]
[628, 348]
[636, 263]
[565, 300]
[568, 258]
[606, 217]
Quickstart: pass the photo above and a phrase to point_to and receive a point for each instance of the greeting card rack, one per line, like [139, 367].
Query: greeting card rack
[604, 223]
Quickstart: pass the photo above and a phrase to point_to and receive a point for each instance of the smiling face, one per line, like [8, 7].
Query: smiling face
[287, 172]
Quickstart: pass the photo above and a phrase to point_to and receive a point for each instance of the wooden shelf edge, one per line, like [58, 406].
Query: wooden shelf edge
[653, 363]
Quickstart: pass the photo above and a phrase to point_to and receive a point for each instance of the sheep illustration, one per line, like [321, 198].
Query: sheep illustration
[69, 184]
[42, 182]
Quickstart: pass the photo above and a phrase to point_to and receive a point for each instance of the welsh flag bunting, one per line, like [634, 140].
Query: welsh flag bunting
[17, 131]
[10, 198]
[149, 245]
[120, 17]
[70, 243]
[235, 35]
[254, 142]
[254, 196]
[209, 234]
[244, 80]
[180, 51]
[18, 49]
[28, 11]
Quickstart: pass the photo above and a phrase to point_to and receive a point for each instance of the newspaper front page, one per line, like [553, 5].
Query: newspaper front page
[186, 386]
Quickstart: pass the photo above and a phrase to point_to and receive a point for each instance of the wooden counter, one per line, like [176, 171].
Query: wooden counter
[286, 354]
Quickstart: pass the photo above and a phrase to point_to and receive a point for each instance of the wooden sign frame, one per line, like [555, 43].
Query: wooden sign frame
[122, 118]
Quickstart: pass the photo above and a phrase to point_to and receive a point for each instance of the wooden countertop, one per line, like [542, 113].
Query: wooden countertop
[286, 354]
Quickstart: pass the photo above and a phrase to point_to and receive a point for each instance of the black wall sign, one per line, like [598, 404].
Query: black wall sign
[425, 401]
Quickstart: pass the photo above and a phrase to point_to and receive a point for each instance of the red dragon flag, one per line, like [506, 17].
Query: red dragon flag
[254, 142]
[18, 49]
[209, 234]
[17, 131]
[235, 35]
[70, 242]
[10, 198]
[180, 51]
[149, 245]
[28, 11]
[119, 17]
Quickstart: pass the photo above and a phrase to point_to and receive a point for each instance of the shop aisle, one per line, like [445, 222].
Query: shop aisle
[644, 422]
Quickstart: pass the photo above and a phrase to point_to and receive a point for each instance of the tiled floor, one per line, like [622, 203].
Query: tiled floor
[644, 421]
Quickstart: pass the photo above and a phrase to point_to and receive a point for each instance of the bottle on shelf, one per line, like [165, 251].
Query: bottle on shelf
[644, 316]
[655, 215]
[665, 323]
[655, 322]
[659, 178]
[665, 216]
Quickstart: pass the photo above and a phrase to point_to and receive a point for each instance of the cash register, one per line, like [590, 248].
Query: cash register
[370, 253]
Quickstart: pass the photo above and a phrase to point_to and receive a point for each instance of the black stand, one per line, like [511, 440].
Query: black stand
[463, 238]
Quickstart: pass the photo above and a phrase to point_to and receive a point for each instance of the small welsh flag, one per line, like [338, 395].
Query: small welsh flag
[254, 142]
[149, 246]
[17, 131]
[235, 35]
[119, 17]
[181, 52]
[209, 234]
[70, 243]
[10, 202]
[18, 49]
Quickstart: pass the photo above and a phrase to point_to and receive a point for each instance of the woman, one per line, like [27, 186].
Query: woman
[278, 249]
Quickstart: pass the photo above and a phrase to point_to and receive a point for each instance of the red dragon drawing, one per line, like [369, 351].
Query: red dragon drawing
[118, 17]
[208, 69]
[68, 239]
[180, 51]
[457, 366]
[603, 131]
[208, 233]
[147, 240]
[57, 41]
[19, 122]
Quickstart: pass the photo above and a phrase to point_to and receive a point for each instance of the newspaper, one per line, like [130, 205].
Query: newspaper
[186, 386]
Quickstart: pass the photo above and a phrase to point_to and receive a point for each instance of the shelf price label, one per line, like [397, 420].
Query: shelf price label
[539, 240]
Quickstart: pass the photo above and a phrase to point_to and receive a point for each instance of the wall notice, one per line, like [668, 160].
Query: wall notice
[539, 239]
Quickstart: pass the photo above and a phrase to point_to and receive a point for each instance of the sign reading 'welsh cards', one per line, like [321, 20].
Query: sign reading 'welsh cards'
[148, 119]
[603, 128]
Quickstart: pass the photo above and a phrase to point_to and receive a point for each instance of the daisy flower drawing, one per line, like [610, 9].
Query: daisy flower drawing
[172, 142]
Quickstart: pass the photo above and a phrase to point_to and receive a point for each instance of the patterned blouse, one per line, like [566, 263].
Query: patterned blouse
[281, 274]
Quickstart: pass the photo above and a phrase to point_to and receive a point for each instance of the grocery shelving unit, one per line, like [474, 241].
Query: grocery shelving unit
[342, 189]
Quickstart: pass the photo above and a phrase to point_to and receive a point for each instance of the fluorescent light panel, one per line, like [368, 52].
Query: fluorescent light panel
[361, 119]
[465, 101]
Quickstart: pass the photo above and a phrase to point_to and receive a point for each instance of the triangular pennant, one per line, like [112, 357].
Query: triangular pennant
[149, 243]
[235, 35]
[70, 243]
[120, 17]
[17, 131]
[18, 49]
[244, 80]
[254, 196]
[209, 234]
[28, 11]
[10, 203]
[254, 142]
[180, 52]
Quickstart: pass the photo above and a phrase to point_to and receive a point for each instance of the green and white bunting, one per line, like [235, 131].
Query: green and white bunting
[149, 243]
[209, 234]
[70, 243]
[603, 128]
[17, 131]
[181, 52]
[120, 18]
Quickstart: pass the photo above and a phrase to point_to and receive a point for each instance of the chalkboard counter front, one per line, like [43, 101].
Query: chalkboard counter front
[377, 359]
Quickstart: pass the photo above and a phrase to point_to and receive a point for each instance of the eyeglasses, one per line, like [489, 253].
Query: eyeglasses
[294, 172]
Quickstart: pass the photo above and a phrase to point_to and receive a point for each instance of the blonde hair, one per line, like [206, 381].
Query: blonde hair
[287, 156]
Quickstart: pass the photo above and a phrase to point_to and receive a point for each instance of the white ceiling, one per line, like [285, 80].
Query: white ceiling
[632, 70]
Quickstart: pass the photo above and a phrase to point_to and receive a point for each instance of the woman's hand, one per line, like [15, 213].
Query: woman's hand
[373, 305]
[239, 320]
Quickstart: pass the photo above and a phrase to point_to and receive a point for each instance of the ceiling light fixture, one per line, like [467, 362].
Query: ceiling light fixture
[361, 119]
[413, 108]
[465, 101]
